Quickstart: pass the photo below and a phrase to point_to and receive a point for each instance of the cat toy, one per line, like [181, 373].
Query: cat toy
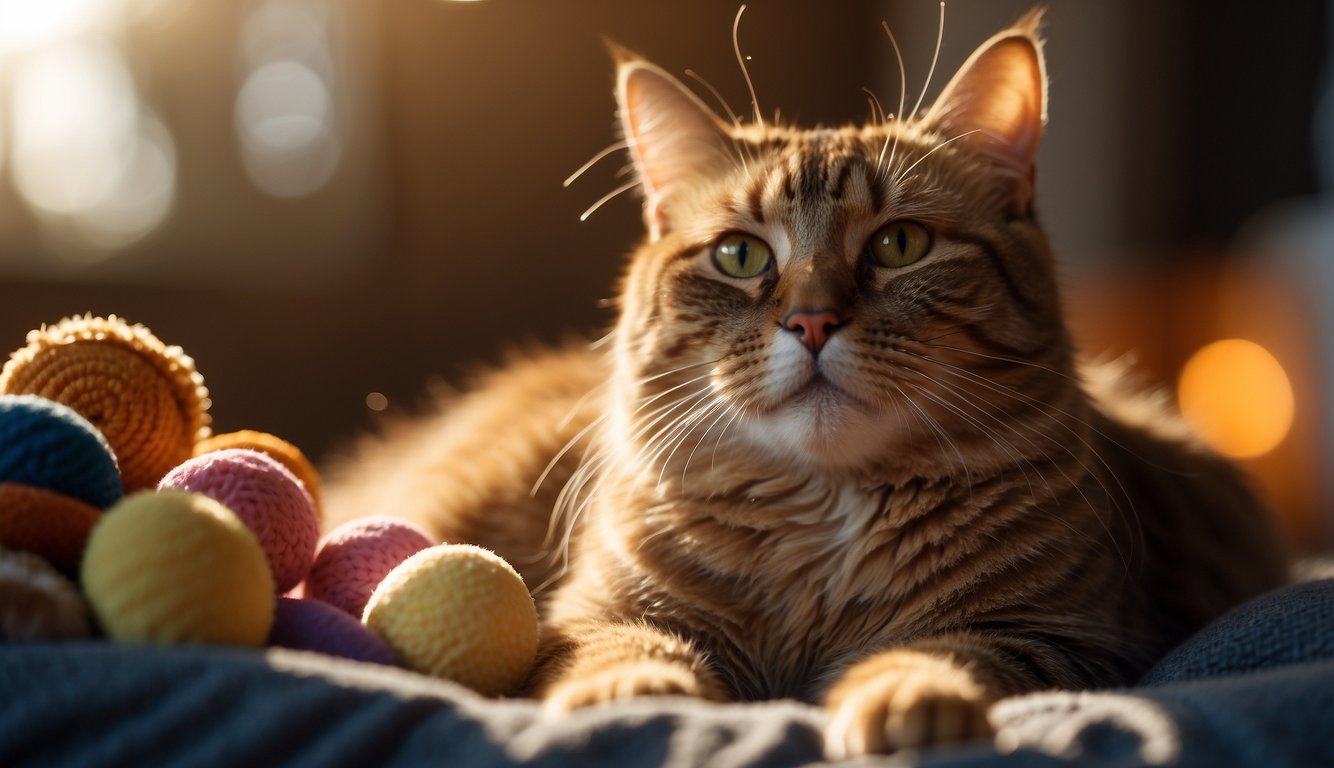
[268, 498]
[145, 397]
[108, 468]
[355, 557]
[461, 613]
[57, 473]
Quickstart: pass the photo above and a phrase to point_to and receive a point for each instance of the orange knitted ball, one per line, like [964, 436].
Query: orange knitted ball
[146, 398]
[45, 523]
[275, 447]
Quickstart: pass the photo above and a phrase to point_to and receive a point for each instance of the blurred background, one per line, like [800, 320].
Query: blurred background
[332, 205]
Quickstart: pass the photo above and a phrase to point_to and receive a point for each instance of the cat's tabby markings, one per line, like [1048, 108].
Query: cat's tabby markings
[837, 446]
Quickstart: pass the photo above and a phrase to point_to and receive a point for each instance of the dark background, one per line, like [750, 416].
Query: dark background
[444, 235]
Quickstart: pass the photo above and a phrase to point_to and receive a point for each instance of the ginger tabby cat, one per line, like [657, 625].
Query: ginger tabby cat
[837, 446]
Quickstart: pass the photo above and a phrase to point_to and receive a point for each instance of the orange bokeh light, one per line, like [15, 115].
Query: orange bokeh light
[1237, 397]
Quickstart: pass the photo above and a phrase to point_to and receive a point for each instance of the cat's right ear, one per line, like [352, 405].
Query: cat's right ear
[672, 136]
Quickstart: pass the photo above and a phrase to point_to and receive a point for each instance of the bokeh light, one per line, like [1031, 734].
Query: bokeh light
[285, 113]
[34, 23]
[1237, 397]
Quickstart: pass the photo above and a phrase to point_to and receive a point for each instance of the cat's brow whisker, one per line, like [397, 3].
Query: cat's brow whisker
[903, 96]
[741, 153]
[877, 111]
[932, 151]
[618, 146]
[935, 57]
[745, 71]
[626, 187]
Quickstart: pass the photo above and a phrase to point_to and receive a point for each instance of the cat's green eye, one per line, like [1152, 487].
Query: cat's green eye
[741, 255]
[899, 244]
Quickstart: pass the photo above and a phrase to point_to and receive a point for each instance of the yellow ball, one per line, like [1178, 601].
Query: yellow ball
[177, 567]
[459, 612]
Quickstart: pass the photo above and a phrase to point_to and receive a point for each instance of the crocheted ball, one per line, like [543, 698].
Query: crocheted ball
[267, 497]
[177, 567]
[275, 447]
[145, 397]
[46, 523]
[312, 625]
[36, 602]
[354, 558]
[459, 612]
[48, 445]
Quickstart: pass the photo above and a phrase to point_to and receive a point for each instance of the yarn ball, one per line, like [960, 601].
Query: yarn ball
[313, 625]
[36, 602]
[145, 397]
[46, 523]
[267, 497]
[176, 567]
[48, 445]
[459, 612]
[275, 447]
[354, 558]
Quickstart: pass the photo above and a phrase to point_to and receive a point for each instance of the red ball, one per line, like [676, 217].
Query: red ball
[269, 500]
[355, 557]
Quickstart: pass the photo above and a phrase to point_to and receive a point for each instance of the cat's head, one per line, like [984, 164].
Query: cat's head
[855, 298]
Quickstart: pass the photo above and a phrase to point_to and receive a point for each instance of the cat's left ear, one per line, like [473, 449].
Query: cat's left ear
[672, 136]
[997, 101]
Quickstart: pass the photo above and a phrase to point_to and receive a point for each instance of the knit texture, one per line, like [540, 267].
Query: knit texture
[313, 625]
[37, 602]
[275, 447]
[46, 523]
[48, 445]
[175, 567]
[354, 558]
[267, 497]
[145, 397]
[459, 612]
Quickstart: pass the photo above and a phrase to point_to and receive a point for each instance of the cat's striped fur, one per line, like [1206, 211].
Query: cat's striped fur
[907, 509]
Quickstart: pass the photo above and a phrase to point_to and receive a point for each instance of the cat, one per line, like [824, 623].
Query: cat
[837, 446]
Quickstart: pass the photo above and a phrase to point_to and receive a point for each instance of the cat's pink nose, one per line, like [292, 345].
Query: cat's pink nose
[815, 326]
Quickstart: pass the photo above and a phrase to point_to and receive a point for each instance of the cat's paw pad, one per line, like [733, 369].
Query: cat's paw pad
[904, 709]
[625, 681]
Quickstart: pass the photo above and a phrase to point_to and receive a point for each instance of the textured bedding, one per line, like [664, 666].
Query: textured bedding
[1254, 689]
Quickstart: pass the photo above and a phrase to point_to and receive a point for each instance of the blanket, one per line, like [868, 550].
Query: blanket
[1256, 688]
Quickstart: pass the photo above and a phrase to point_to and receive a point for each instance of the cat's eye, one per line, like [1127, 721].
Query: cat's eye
[899, 244]
[742, 255]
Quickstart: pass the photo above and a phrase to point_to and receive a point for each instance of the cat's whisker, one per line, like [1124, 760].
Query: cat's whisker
[935, 57]
[745, 71]
[899, 179]
[1013, 425]
[726, 409]
[1045, 409]
[626, 187]
[688, 428]
[737, 147]
[877, 111]
[903, 97]
[599, 157]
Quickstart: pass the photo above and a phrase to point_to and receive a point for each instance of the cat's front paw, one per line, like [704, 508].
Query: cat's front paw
[624, 681]
[904, 700]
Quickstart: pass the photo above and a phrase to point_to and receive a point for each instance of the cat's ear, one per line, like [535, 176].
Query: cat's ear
[672, 136]
[997, 101]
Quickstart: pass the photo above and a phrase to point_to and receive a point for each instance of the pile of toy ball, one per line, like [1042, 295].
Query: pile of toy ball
[122, 516]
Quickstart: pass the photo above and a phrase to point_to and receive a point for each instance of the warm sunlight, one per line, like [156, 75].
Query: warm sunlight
[1237, 397]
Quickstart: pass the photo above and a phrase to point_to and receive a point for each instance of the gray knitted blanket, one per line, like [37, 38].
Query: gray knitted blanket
[1254, 689]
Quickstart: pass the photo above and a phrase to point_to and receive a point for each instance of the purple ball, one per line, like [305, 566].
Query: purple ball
[313, 625]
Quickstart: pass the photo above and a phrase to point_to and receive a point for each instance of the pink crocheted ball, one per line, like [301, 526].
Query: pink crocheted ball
[314, 625]
[356, 556]
[267, 497]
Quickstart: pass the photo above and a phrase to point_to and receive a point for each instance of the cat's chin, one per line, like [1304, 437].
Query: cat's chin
[822, 425]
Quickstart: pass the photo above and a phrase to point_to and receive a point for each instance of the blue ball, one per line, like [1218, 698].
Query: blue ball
[49, 445]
